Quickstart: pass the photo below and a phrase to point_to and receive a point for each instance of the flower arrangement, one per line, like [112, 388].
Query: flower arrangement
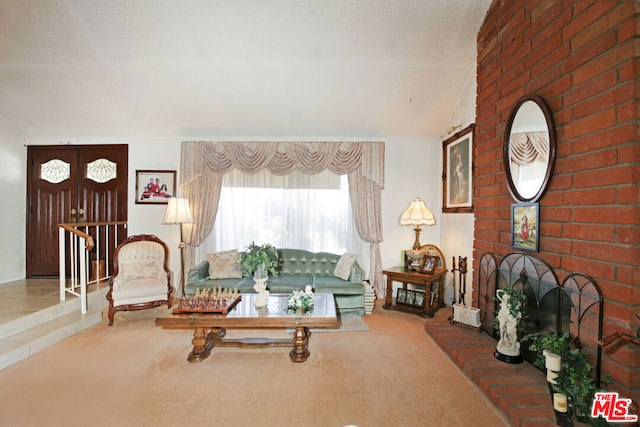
[301, 300]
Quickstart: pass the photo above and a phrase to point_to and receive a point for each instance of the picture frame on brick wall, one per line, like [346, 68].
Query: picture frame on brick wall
[457, 172]
[525, 226]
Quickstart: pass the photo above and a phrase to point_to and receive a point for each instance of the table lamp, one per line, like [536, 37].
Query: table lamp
[417, 214]
[178, 212]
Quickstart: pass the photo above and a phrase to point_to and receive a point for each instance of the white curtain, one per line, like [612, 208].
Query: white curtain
[311, 212]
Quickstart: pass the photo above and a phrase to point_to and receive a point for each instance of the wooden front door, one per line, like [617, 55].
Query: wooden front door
[81, 183]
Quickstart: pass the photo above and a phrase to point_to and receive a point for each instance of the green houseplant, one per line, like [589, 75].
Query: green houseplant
[259, 260]
[575, 379]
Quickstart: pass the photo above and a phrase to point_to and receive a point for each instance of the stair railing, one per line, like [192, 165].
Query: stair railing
[85, 249]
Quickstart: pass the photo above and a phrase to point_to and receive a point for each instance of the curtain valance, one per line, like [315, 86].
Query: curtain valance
[280, 158]
[525, 147]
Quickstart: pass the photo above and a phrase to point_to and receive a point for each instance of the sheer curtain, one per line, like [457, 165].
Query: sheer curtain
[299, 211]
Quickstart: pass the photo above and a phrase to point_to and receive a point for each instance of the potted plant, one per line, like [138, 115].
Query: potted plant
[575, 378]
[259, 261]
[509, 323]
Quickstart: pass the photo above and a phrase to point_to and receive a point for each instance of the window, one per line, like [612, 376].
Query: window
[311, 212]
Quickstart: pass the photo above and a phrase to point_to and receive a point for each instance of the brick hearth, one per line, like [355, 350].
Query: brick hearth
[520, 391]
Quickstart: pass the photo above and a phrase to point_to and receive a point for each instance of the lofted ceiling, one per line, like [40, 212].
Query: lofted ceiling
[235, 68]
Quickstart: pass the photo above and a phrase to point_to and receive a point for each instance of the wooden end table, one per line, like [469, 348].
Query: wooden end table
[210, 327]
[404, 276]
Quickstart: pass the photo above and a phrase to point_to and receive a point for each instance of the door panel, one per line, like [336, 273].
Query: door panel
[70, 184]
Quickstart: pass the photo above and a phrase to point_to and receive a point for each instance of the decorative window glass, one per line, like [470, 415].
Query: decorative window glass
[101, 170]
[55, 171]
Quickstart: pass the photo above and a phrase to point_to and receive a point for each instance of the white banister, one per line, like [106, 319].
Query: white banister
[84, 240]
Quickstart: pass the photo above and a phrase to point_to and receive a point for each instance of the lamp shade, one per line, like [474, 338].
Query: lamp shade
[417, 214]
[178, 211]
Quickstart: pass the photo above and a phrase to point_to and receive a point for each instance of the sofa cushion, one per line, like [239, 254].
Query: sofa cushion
[334, 285]
[224, 265]
[287, 283]
[135, 271]
[343, 267]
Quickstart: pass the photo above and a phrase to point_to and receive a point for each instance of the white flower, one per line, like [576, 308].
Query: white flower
[301, 299]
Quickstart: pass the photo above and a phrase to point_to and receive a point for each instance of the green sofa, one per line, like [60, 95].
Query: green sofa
[298, 268]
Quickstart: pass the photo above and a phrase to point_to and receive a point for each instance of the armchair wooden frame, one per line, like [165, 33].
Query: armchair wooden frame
[113, 308]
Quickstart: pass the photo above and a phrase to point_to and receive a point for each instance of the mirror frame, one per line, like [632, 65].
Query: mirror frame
[551, 129]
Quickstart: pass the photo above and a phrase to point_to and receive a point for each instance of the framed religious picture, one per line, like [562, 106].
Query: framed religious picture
[155, 187]
[457, 173]
[525, 226]
[429, 264]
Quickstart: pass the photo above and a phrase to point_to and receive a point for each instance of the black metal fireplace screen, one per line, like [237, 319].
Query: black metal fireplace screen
[574, 306]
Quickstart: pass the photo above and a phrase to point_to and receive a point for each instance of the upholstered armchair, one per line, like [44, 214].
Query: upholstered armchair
[141, 276]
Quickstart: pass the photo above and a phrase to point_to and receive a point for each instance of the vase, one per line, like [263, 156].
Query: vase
[260, 272]
[552, 361]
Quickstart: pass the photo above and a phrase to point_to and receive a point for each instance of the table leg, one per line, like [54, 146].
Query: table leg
[203, 343]
[426, 308]
[388, 301]
[300, 351]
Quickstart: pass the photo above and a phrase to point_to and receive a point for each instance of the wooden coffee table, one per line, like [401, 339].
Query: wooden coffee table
[210, 327]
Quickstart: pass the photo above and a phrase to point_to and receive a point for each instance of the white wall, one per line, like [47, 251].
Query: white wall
[456, 230]
[12, 193]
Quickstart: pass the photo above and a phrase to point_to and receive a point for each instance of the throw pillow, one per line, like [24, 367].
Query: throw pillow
[224, 265]
[343, 266]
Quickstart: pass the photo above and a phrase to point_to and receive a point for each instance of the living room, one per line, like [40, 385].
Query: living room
[589, 213]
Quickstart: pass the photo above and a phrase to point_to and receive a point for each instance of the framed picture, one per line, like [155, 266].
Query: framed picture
[457, 173]
[525, 226]
[419, 299]
[429, 264]
[155, 187]
[401, 297]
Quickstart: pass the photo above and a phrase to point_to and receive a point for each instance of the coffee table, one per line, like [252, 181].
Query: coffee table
[210, 327]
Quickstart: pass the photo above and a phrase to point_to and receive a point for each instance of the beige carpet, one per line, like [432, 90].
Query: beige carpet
[136, 374]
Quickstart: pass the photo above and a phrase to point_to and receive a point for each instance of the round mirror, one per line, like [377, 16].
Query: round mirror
[529, 150]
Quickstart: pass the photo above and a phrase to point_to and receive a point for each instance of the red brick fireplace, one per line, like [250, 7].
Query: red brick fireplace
[579, 56]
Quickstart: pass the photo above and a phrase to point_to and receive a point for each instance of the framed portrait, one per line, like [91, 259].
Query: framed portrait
[155, 187]
[525, 226]
[429, 264]
[457, 173]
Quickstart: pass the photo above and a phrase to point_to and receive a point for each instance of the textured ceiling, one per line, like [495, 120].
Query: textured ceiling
[235, 68]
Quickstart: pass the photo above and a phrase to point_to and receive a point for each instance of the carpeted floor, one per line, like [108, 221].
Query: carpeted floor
[136, 374]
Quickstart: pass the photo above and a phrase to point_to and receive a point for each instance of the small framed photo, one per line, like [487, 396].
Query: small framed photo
[401, 296]
[155, 187]
[525, 226]
[457, 173]
[410, 297]
[419, 299]
[429, 264]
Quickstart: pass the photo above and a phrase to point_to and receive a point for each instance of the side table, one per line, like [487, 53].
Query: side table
[404, 276]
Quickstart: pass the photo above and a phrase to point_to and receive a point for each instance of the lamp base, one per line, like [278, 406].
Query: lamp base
[416, 243]
[415, 257]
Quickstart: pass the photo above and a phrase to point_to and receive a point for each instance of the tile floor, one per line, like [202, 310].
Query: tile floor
[24, 297]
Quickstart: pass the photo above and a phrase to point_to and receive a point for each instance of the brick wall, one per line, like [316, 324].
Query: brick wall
[579, 56]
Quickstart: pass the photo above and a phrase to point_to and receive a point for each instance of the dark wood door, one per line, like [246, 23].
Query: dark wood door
[81, 183]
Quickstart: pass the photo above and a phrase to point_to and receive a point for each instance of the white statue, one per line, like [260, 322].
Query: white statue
[508, 344]
[260, 286]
